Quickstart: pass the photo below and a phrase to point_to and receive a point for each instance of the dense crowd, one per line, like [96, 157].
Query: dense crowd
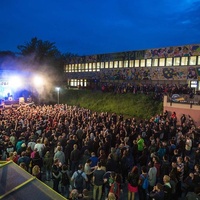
[146, 88]
[84, 152]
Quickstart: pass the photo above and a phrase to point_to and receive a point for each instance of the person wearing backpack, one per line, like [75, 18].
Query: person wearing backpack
[65, 181]
[143, 184]
[133, 178]
[78, 178]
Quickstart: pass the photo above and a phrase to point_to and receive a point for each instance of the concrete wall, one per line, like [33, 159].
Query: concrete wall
[180, 108]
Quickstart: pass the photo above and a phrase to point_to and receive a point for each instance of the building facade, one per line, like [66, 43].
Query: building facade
[177, 65]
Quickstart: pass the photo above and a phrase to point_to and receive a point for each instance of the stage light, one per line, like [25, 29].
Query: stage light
[15, 82]
[38, 81]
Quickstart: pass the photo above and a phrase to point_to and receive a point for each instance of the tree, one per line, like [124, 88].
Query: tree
[41, 50]
[43, 56]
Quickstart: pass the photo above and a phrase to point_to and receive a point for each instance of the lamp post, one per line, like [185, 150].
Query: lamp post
[58, 93]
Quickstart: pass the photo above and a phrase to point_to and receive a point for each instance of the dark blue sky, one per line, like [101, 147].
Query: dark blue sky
[87, 27]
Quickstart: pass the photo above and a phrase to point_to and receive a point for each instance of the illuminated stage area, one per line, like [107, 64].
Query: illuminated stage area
[20, 88]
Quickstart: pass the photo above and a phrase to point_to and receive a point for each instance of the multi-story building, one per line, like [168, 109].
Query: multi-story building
[177, 65]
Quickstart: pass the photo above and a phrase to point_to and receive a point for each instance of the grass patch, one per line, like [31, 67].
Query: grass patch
[130, 105]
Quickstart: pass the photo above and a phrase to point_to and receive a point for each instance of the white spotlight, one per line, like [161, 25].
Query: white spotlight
[38, 81]
[15, 82]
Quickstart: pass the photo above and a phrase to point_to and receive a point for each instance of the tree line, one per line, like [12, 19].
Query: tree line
[37, 55]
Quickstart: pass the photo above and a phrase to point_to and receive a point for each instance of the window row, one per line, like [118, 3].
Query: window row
[156, 62]
[77, 82]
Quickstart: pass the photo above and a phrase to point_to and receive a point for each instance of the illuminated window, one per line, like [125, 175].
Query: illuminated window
[168, 61]
[142, 63]
[106, 64]
[98, 66]
[102, 65]
[137, 63]
[73, 70]
[80, 82]
[198, 60]
[94, 68]
[115, 64]
[148, 63]
[90, 67]
[86, 67]
[79, 68]
[126, 63]
[82, 67]
[66, 68]
[111, 64]
[70, 68]
[73, 82]
[155, 62]
[176, 61]
[76, 67]
[131, 63]
[184, 61]
[193, 60]
[84, 82]
[121, 64]
[162, 62]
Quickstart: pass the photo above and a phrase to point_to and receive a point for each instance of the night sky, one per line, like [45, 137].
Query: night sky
[87, 27]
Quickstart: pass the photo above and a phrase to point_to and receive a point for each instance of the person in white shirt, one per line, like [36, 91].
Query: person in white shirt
[188, 145]
[40, 147]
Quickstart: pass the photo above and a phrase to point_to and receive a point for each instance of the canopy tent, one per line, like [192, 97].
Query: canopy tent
[17, 184]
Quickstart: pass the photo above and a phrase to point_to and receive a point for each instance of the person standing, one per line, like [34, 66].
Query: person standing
[142, 191]
[79, 178]
[152, 176]
[36, 172]
[140, 144]
[56, 174]
[183, 119]
[75, 158]
[47, 163]
[188, 145]
[98, 181]
[180, 172]
[60, 155]
[167, 187]
[94, 159]
[40, 147]
[89, 171]
[24, 159]
[157, 193]
[115, 187]
[133, 178]
[65, 181]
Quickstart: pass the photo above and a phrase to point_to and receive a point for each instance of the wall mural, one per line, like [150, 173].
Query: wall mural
[188, 50]
[157, 73]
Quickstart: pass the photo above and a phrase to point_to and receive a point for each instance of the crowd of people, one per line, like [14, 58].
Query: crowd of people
[84, 152]
[146, 88]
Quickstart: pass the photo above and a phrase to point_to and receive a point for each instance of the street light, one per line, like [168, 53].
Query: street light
[58, 93]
